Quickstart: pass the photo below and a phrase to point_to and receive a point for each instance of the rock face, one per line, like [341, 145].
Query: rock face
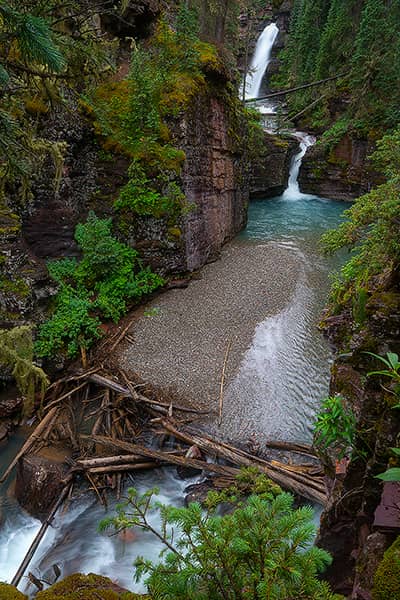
[213, 180]
[349, 529]
[39, 483]
[270, 170]
[344, 173]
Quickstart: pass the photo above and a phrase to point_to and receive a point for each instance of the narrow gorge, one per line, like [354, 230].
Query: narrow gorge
[199, 294]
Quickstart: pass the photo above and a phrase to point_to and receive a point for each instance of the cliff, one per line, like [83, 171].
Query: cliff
[270, 168]
[359, 524]
[342, 173]
[213, 179]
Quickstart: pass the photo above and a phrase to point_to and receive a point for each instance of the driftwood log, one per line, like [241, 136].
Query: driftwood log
[41, 429]
[35, 544]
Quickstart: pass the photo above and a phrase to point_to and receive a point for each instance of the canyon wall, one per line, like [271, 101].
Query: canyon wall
[343, 173]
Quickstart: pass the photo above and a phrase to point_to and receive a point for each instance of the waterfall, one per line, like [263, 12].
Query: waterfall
[260, 61]
[292, 191]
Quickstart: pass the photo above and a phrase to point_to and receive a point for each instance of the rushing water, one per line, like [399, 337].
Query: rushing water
[260, 60]
[74, 544]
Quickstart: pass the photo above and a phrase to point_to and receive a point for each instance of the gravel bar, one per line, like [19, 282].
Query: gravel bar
[180, 338]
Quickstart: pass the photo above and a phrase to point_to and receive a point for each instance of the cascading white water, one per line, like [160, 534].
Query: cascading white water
[260, 61]
[292, 191]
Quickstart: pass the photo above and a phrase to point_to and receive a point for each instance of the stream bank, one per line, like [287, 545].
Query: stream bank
[263, 299]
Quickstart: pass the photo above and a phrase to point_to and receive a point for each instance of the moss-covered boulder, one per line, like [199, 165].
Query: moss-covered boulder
[9, 592]
[86, 587]
[387, 576]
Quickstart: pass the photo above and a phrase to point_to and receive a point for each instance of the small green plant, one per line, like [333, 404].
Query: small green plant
[335, 426]
[393, 372]
[392, 474]
[152, 312]
[101, 285]
[260, 549]
[393, 366]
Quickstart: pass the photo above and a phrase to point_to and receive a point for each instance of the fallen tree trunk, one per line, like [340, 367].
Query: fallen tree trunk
[303, 484]
[300, 484]
[163, 457]
[45, 423]
[123, 467]
[129, 393]
[297, 88]
[34, 546]
[291, 447]
[88, 463]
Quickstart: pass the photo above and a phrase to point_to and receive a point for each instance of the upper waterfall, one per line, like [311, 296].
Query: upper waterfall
[260, 61]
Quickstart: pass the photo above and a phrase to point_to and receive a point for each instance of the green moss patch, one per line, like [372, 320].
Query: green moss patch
[387, 576]
[86, 587]
[9, 592]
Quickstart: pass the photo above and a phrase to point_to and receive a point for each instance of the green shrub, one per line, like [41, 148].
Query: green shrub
[100, 285]
[335, 425]
[387, 576]
[370, 231]
[260, 549]
[71, 327]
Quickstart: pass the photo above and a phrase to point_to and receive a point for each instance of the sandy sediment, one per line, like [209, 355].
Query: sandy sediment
[181, 342]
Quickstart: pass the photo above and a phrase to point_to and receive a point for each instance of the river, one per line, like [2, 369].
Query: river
[265, 295]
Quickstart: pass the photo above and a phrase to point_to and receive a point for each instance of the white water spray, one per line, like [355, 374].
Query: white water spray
[292, 191]
[260, 61]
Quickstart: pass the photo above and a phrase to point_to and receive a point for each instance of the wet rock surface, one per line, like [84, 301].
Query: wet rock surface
[349, 529]
[214, 180]
[270, 171]
[344, 173]
[39, 483]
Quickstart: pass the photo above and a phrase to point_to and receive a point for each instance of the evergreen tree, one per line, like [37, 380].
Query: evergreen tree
[375, 72]
[337, 37]
[261, 549]
[308, 21]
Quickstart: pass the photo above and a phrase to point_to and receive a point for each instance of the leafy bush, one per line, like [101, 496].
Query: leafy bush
[260, 549]
[139, 195]
[101, 284]
[371, 230]
[335, 425]
[71, 327]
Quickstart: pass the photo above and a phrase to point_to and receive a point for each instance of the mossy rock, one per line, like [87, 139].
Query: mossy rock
[9, 592]
[387, 576]
[87, 587]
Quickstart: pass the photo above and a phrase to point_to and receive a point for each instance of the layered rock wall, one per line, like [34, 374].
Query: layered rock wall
[270, 170]
[352, 529]
[343, 173]
[214, 180]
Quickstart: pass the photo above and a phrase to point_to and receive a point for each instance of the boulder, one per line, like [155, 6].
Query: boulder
[87, 587]
[10, 406]
[39, 483]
